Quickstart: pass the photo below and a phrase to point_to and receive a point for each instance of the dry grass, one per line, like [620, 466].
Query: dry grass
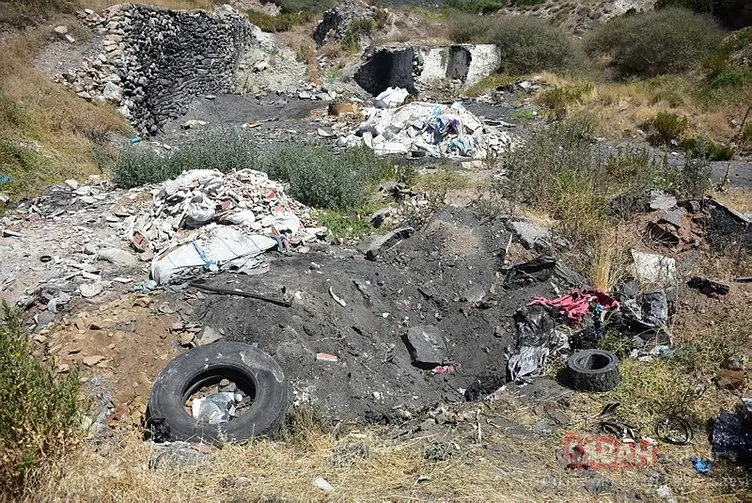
[45, 121]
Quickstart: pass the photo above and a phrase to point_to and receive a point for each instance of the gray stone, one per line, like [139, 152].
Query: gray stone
[372, 246]
[89, 290]
[674, 217]
[545, 427]
[659, 200]
[61, 30]
[118, 257]
[426, 345]
[378, 217]
[599, 485]
[112, 92]
[208, 336]
[531, 235]
[473, 294]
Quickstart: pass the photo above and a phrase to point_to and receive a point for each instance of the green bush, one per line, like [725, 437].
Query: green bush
[40, 414]
[224, 151]
[279, 23]
[655, 42]
[469, 28]
[317, 176]
[668, 126]
[298, 6]
[528, 44]
[734, 14]
[707, 149]
[560, 171]
[324, 179]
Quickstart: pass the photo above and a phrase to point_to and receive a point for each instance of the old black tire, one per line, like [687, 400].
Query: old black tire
[236, 361]
[594, 370]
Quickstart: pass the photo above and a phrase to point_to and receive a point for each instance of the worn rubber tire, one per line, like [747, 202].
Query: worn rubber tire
[594, 370]
[238, 361]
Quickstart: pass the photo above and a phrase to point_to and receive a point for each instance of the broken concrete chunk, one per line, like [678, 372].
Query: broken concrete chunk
[210, 335]
[92, 360]
[659, 200]
[118, 257]
[426, 346]
[530, 234]
[674, 217]
[375, 245]
[89, 290]
[654, 269]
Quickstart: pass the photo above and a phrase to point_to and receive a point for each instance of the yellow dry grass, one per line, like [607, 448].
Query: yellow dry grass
[47, 118]
[501, 467]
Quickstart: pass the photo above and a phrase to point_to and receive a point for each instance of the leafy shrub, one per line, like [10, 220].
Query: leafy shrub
[656, 42]
[40, 413]
[734, 14]
[324, 179]
[298, 6]
[279, 23]
[668, 126]
[317, 176]
[707, 149]
[224, 151]
[361, 27]
[560, 171]
[528, 44]
[469, 28]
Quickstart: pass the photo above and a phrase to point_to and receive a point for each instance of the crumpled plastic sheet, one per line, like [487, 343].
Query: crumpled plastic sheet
[535, 332]
[527, 363]
[732, 434]
[215, 409]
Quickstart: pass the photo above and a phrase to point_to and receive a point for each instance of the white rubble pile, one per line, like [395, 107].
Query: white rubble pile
[212, 220]
[432, 129]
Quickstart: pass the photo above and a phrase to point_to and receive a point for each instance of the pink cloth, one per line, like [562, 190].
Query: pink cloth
[576, 305]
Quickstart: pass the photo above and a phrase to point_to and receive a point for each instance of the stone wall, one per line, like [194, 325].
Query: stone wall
[156, 61]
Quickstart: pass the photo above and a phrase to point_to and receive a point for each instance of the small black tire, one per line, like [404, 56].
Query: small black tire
[594, 370]
[237, 361]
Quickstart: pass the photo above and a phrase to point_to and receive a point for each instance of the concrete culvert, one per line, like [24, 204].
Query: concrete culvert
[387, 68]
[458, 64]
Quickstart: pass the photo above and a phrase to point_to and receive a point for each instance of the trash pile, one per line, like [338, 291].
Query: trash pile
[209, 220]
[423, 129]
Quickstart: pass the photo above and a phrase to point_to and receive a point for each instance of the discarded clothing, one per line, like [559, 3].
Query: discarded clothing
[577, 305]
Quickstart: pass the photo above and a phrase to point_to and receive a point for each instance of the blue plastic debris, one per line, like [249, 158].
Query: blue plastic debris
[4, 179]
[701, 465]
[136, 139]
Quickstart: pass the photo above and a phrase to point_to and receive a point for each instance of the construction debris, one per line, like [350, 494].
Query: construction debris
[211, 220]
[427, 129]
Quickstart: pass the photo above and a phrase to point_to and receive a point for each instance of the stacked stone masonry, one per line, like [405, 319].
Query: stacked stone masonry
[156, 61]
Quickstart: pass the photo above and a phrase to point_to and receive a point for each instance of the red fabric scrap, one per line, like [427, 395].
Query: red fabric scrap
[576, 305]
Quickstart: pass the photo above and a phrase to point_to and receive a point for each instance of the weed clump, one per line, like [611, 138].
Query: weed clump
[40, 413]
[324, 179]
[667, 126]
[557, 100]
[668, 41]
